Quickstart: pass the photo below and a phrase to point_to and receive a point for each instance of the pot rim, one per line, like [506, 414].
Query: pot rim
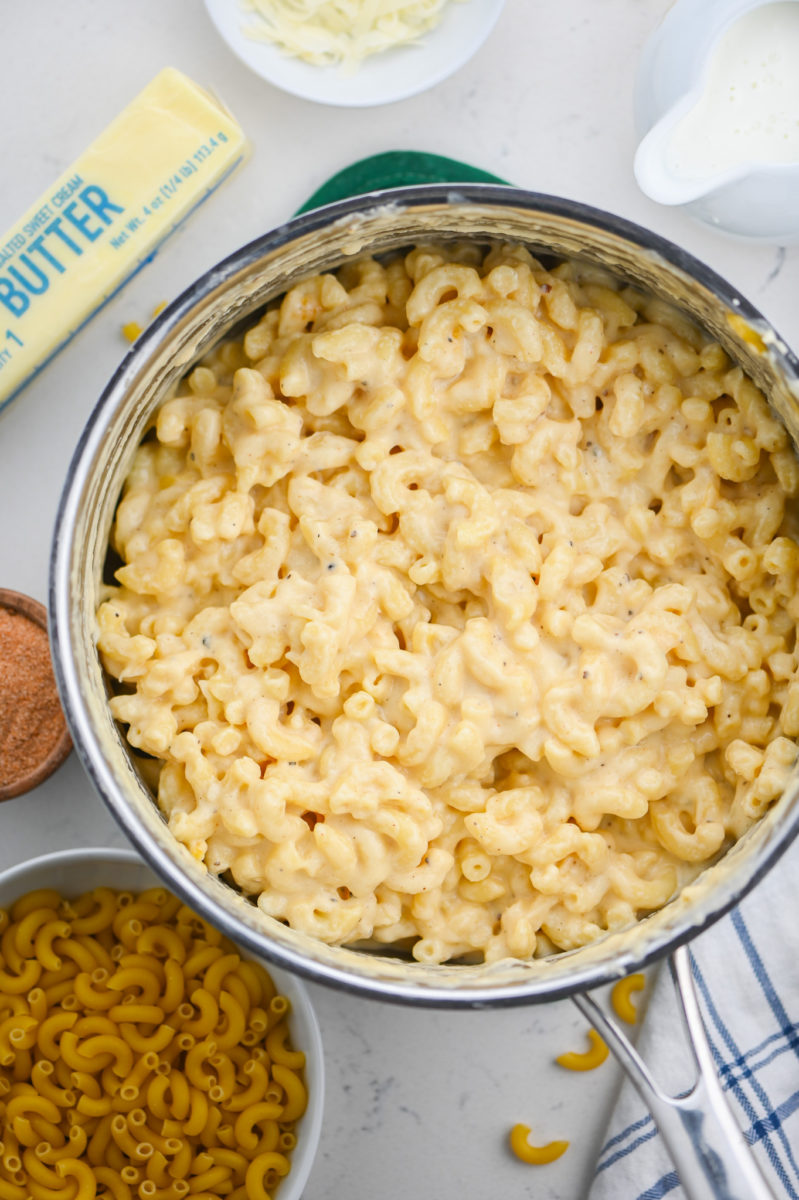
[602, 967]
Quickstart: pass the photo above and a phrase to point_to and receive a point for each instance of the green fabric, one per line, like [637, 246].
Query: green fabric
[395, 168]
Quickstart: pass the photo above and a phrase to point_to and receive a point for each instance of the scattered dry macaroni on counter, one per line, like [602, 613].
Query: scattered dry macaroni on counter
[140, 1056]
[536, 1156]
[459, 601]
[588, 1061]
[621, 996]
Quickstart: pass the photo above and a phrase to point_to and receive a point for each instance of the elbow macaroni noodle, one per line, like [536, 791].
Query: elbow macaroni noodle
[150, 1062]
[459, 603]
[621, 996]
[590, 1060]
[535, 1156]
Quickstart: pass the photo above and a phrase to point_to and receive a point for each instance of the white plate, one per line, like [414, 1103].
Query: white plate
[381, 78]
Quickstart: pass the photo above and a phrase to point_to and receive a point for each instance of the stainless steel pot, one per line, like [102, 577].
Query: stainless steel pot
[206, 312]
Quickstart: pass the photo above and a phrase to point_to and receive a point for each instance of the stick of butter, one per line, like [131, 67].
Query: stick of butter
[104, 217]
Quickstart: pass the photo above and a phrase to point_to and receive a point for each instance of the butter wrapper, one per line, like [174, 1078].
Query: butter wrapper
[105, 216]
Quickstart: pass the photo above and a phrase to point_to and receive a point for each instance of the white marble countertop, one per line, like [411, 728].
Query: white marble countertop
[417, 1102]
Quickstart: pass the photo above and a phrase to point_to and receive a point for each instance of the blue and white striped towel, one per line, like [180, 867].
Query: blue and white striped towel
[746, 969]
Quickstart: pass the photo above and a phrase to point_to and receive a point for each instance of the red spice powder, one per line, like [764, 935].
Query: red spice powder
[31, 720]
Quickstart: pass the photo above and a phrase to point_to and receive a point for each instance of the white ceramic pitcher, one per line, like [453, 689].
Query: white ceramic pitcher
[748, 181]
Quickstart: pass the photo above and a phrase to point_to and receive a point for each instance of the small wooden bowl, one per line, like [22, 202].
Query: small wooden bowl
[32, 610]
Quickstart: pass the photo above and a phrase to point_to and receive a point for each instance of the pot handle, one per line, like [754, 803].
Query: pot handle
[700, 1132]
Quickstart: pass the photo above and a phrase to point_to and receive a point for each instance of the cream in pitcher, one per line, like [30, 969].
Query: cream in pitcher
[728, 144]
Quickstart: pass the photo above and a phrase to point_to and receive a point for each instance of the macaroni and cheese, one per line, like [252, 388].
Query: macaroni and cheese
[458, 601]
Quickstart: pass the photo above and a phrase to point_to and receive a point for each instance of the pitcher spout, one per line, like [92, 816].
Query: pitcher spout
[656, 174]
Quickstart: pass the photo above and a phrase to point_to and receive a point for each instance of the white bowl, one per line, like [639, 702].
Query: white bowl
[72, 872]
[382, 78]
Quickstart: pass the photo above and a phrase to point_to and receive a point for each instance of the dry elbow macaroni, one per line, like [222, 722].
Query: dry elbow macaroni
[588, 1061]
[536, 1156]
[621, 996]
[459, 601]
[140, 1056]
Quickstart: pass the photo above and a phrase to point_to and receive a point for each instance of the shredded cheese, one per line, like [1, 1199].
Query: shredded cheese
[343, 32]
